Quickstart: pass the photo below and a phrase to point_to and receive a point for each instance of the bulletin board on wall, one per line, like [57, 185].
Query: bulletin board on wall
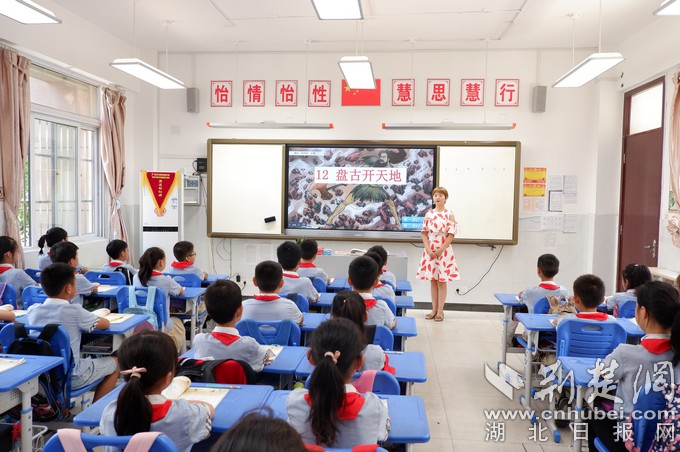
[248, 183]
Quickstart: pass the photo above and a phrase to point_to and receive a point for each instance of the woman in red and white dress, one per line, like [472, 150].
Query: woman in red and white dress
[438, 264]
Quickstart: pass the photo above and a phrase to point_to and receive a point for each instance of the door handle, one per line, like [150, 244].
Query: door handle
[651, 248]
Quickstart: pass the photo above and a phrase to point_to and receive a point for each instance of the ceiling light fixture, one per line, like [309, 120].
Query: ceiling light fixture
[668, 8]
[449, 126]
[338, 9]
[269, 125]
[27, 12]
[357, 70]
[596, 64]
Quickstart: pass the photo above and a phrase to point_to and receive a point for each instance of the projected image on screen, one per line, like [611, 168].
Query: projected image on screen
[359, 188]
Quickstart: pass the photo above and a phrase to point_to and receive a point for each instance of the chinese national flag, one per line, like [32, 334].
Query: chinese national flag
[360, 97]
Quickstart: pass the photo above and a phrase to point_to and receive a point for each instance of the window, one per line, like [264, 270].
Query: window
[64, 179]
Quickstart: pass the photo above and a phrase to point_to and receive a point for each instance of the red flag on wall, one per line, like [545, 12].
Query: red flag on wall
[360, 97]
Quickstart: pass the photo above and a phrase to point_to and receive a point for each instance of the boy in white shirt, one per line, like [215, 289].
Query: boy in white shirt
[15, 277]
[309, 249]
[289, 255]
[267, 304]
[363, 276]
[119, 253]
[67, 253]
[185, 255]
[385, 275]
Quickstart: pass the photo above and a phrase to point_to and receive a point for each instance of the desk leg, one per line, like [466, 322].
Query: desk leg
[27, 390]
[576, 443]
[525, 399]
[507, 316]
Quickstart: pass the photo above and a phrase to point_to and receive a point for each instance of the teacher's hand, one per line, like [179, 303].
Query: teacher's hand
[431, 253]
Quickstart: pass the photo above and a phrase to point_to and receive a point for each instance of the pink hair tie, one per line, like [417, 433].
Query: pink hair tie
[334, 356]
[134, 372]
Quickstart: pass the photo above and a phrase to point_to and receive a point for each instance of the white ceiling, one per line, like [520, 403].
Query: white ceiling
[291, 25]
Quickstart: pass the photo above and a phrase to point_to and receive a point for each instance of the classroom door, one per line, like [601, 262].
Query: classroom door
[641, 176]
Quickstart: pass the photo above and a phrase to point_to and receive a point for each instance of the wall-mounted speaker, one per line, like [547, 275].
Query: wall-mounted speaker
[538, 98]
[192, 100]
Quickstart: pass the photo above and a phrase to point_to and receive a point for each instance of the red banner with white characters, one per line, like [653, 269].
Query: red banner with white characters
[160, 185]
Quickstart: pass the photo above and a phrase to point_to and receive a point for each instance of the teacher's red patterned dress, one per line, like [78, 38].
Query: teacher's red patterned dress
[444, 268]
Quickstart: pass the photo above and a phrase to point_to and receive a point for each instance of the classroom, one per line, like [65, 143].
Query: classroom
[571, 134]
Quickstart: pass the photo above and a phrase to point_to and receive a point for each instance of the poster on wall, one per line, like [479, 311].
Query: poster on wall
[534, 181]
[472, 92]
[403, 92]
[286, 93]
[507, 92]
[161, 209]
[438, 90]
[221, 93]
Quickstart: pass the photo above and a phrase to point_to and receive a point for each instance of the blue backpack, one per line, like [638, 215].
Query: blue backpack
[146, 309]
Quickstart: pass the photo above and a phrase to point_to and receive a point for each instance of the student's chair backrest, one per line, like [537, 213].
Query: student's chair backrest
[186, 279]
[270, 332]
[33, 273]
[148, 441]
[299, 299]
[160, 303]
[383, 337]
[9, 295]
[626, 309]
[588, 338]
[389, 283]
[107, 278]
[32, 295]
[319, 284]
[376, 381]
[542, 306]
[390, 304]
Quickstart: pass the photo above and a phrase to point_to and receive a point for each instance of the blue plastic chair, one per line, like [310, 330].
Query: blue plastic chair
[319, 284]
[649, 405]
[384, 383]
[588, 338]
[186, 279]
[9, 296]
[542, 306]
[627, 309]
[33, 273]
[301, 302]
[32, 295]
[61, 345]
[384, 337]
[162, 443]
[389, 283]
[160, 307]
[270, 332]
[108, 278]
[390, 304]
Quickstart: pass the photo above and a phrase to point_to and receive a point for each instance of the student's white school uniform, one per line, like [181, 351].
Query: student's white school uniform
[292, 283]
[44, 260]
[367, 425]
[83, 288]
[384, 290]
[75, 319]
[374, 357]
[378, 312]
[309, 270]
[185, 423]
[115, 264]
[226, 343]
[596, 316]
[620, 297]
[547, 288]
[164, 282]
[178, 268]
[388, 276]
[270, 306]
[17, 278]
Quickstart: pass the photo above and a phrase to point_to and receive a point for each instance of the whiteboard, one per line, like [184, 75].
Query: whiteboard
[245, 183]
[483, 184]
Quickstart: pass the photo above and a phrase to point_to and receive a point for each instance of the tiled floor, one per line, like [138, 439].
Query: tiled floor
[456, 392]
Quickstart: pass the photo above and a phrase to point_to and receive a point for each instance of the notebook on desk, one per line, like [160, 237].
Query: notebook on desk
[10, 363]
[180, 388]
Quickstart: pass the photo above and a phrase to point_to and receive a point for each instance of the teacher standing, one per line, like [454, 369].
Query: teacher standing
[438, 264]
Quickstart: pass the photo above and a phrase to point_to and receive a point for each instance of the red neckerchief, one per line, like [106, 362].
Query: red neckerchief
[387, 367]
[379, 285]
[290, 275]
[656, 346]
[114, 264]
[548, 286]
[307, 265]
[365, 448]
[350, 406]
[182, 265]
[225, 338]
[383, 271]
[370, 302]
[156, 273]
[159, 411]
[314, 448]
[599, 316]
[262, 297]
[3, 269]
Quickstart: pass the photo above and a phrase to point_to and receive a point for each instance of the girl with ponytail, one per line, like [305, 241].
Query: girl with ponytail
[332, 413]
[147, 360]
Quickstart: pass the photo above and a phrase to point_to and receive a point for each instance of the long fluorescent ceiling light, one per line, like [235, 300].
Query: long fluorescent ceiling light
[27, 12]
[588, 69]
[269, 125]
[358, 72]
[668, 8]
[449, 126]
[148, 73]
[338, 9]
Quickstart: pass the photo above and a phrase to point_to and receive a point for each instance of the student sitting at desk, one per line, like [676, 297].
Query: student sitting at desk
[381, 289]
[59, 283]
[67, 253]
[385, 275]
[147, 361]
[658, 308]
[309, 250]
[268, 305]
[50, 238]
[186, 260]
[332, 413]
[15, 277]
[349, 305]
[289, 255]
[633, 276]
[119, 254]
[363, 276]
[223, 302]
[588, 295]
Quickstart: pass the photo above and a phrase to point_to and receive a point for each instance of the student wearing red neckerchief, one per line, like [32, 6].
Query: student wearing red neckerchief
[267, 304]
[362, 275]
[309, 250]
[185, 255]
[119, 254]
[15, 277]
[288, 254]
[654, 360]
[588, 295]
[632, 276]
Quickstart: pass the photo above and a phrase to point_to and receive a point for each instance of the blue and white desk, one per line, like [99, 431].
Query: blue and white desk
[240, 400]
[337, 284]
[325, 302]
[407, 415]
[212, 277]
[193, 295]
[579, 368]
[403, 287]
[511, 305]
[121, 330]
[18, 384]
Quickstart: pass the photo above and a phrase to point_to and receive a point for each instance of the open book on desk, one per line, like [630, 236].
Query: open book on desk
[10, 363]
[112, 317]
[106, 288]
[180, 388]
[272, 352]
